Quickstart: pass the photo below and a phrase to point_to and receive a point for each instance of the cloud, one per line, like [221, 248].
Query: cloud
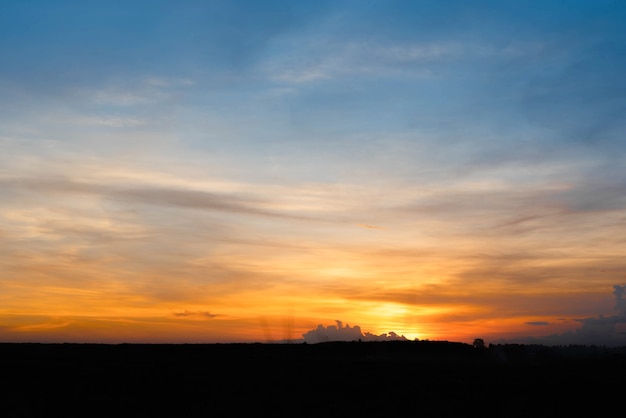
[620, 301]
[169, 82]
[600, 330]
[537, 323]
[118, 98]
[109, 121]
[158, 196]
[340, 333]
[187, 313]
[325, 61]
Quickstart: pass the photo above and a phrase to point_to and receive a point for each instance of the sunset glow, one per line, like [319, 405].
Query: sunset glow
[246, 171]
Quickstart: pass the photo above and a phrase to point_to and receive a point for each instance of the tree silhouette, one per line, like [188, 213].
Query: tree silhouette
[479, 343]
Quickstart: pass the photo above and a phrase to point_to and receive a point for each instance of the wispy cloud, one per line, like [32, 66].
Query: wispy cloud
[110, 121]
[118, 98]
[317, 61]
[181, 198]
[335, 60]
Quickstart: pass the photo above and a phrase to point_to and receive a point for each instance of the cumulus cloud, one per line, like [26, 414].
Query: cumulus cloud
[620, 301]
[340, 332]
[602, 329]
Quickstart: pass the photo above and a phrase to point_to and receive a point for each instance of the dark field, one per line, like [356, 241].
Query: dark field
[422, 379]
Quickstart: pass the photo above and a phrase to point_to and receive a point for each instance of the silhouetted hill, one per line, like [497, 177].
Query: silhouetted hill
[417, 378]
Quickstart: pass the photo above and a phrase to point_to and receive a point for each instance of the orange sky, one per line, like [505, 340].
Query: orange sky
[219, 172]
[163, 263]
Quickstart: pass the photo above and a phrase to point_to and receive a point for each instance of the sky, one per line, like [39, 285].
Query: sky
[242, 171]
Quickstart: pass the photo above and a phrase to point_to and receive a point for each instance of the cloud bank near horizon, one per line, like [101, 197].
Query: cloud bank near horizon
[597, 330]
[339, 332]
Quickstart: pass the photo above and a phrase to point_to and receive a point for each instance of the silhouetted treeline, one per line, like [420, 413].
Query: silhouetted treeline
[413, 378]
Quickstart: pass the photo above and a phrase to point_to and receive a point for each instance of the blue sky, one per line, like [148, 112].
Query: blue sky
[413, 166]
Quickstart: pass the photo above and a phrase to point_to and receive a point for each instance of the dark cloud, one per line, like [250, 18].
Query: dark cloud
[340, 333]
[620, 300]
[600, 330]
[537, 323]
[187, 313]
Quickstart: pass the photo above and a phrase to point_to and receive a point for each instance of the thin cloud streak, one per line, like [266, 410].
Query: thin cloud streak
[203, 314]
[192, 199]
